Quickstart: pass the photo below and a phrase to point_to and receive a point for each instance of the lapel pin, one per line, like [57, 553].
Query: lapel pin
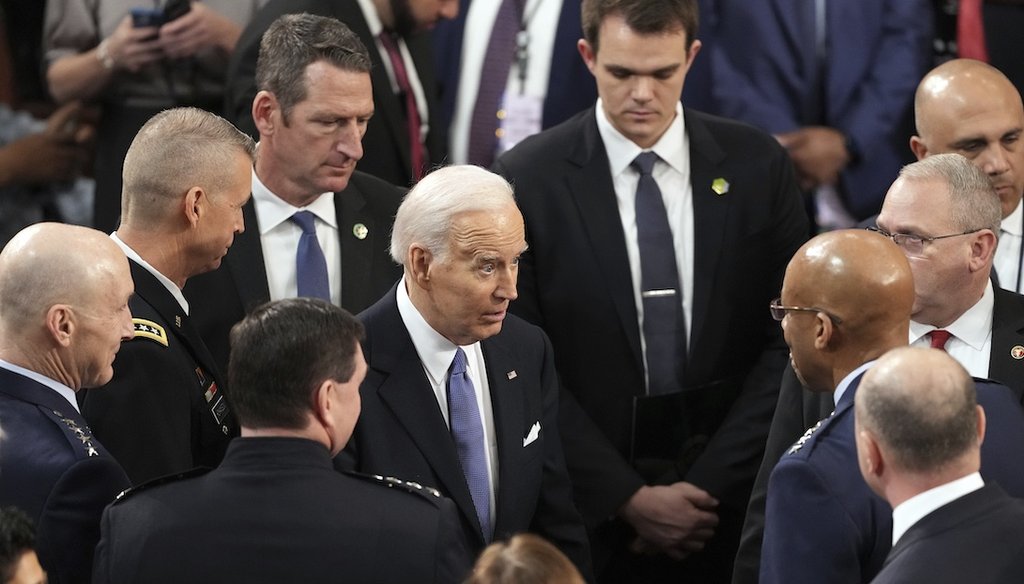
[512, 374]
[177, 320]
[720, 186]
[1017, 352]
[360, 231]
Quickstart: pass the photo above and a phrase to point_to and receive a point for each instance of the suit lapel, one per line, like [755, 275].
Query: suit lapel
[245, 261]
[356, 253]
[1007, 336]
[710, 211]
[508, 410]
[594, 194]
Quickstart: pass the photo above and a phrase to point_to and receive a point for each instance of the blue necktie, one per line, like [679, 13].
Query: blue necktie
[310, 265]
[483, 140]
[661, 294]
[468, 433]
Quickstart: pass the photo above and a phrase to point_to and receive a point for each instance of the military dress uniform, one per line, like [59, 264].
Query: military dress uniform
[56, 471]
[165, 411]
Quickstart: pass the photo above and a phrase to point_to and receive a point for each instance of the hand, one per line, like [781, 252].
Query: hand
[55, 154]
[676, 519]
[818, 153]
[200, 28]
[133, 48]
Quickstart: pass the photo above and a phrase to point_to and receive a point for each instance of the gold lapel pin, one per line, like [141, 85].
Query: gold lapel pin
[360, 231]
[720, 186]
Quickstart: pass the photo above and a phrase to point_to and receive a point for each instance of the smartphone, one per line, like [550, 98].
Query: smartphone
[175, 9]
[144, 17]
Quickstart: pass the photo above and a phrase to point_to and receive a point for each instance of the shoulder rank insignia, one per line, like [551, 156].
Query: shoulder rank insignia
[392, 482]
[82, 434]
[148, 329]
[164, 480]
[807, 435]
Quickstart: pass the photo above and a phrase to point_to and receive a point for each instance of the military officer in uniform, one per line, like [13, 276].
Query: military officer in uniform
[275, 507]
[64, 292]
[186, 177]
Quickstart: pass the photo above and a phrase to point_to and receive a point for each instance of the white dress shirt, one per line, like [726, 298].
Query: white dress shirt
[171, 286]
[672, 173]
[279, 237]
[1007, 261]
[436, 354]
[914, 509]
[541, 25]
[64, 391]
[971, 343]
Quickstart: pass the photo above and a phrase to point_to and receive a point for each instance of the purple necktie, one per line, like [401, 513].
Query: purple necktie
[417, 151]
[468, 433]
[483, 140]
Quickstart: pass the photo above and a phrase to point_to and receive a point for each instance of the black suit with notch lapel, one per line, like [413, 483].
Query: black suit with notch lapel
[221, 298]
[575, 282]
[160, 415]
[402, 433]
[386, 143]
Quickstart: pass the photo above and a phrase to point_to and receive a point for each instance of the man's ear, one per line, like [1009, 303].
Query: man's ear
[420, 261]
[823, 331]
[195, 205]
[918, 148]
[873, 462]
[983, 248]
[323, 403]
[265, 113]
[588, 54]
[981, 425]
[60, 324]
[692, 53]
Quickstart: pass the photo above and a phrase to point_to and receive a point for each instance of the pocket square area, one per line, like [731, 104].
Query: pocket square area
[533, 434]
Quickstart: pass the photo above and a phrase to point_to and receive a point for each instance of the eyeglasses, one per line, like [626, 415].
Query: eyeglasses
[779, 311]
[914, 244]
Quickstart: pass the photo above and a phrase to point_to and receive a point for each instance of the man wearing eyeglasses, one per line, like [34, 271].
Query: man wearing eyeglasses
[846, 300]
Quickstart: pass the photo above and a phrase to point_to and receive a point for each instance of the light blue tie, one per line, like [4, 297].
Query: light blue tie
[468, 433]
[310, 265]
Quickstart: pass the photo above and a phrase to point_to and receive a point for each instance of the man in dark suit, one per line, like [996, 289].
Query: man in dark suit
[919, 432]
[186, 177]
[734, 217]
[395, 32]
[311, 111]
[460, 395]
[969, 108]
[64, 292]
[276, 509]
[846, 300]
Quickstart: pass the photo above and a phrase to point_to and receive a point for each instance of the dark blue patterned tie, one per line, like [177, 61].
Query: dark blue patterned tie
[664, 326]
[468, 433]
[310, 265]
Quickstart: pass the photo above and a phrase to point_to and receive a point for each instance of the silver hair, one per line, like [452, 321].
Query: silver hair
[974, 203]
[426, 214]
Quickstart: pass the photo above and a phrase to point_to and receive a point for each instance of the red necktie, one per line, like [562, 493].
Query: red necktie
[939, 338]
[412, 115]
[970, 31]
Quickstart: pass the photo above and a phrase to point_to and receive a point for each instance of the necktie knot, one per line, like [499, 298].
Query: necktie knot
[644, 162]
[306, 221]
[459, 362]
[939, 338]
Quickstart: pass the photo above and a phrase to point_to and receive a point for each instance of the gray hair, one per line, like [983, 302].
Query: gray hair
[426, 214]
[974, 203]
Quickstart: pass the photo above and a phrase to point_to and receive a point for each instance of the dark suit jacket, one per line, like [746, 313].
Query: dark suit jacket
[575, 282]
[158, 415]
[798, 409]
[221, 298]
[763, 62]
[401, 431]
[976, 538]
[276, 511]
[54, 470]
[823, 523]
[386, 143]
[571, 87]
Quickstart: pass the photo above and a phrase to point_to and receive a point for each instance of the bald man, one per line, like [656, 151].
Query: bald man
[64, 292]
[919, 431]
[186, 176]
[971, 108]
[846, 300]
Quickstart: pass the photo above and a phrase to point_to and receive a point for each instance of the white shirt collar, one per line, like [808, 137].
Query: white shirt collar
[845, 383]
[435, 351]
[372, 18]
[171, 286]
[1012, 223]
[973, 327]
[272, 210]
[671, 147]
[914, 509]
[63, 390]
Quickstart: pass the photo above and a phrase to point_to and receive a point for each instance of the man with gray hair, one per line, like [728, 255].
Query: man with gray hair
[186, 177]
[318, 227]
[461, 395]
[64, 295]
[919, 431]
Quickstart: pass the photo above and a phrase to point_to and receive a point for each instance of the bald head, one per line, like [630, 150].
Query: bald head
[971, 108]
[920, 406]
[862, 285]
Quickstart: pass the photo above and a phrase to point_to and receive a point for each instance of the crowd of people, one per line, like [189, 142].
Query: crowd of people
[440, 291]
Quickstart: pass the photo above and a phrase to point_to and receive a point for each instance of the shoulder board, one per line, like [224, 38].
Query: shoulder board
[147, 329]
[164, 480]
[803, 439]
[394, 483]
[83, 434]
